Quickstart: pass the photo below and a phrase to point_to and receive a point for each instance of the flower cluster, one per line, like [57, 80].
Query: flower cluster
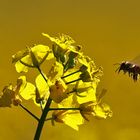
[70, 83]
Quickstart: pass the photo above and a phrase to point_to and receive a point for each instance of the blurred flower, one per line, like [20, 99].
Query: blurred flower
[11, 94]
[102, 110]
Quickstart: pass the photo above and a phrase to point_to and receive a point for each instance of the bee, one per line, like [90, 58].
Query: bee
[132, 69]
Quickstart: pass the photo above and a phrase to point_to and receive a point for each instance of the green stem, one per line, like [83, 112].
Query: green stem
[71, 91]
[41, 106]
[44, 113]
[73, 81]
[70, 74]
[49, 119]
[40, 71]
[42, 119]
[30, 66]
[64, 109]
[23, 107]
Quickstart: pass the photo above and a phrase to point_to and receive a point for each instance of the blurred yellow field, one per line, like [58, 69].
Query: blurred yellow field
[108, 32]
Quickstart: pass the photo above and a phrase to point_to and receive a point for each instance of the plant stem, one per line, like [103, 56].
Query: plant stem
[73, 81]
[70, 74]
[72, 91]
[40, 71]
[49, 119]
[42, 119]
[29, 112]
[44, 113]
[64, 109]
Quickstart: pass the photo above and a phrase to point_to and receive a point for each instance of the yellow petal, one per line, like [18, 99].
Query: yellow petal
[20, 67]
[28, 92]
[73, 119]
[24, 82]
[40, 51]
[90, 96]
[64, 41]
[42, 86]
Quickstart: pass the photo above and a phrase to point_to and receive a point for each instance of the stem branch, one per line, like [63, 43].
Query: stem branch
[44, 113]
[23, 107]
[64, 109]
[70, 74]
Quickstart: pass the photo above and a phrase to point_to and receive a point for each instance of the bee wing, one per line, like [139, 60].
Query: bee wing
[136, 60]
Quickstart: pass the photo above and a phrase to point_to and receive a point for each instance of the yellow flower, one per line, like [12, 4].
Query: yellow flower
[70, 118]
[64, 41]
[42, 87]
[28, 89]
[38, 93]
[89, 70]
[42, 91]
[97, 109]
[85, 91]
[70, 101]
[31, 57]
[63, 50]
[101, 110]
[71, 82]
[86, 109]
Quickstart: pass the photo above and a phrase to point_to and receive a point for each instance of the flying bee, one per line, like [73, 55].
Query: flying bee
[130, 67]
[133, 70]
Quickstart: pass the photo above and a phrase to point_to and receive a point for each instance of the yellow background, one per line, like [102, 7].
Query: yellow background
[108, 30]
